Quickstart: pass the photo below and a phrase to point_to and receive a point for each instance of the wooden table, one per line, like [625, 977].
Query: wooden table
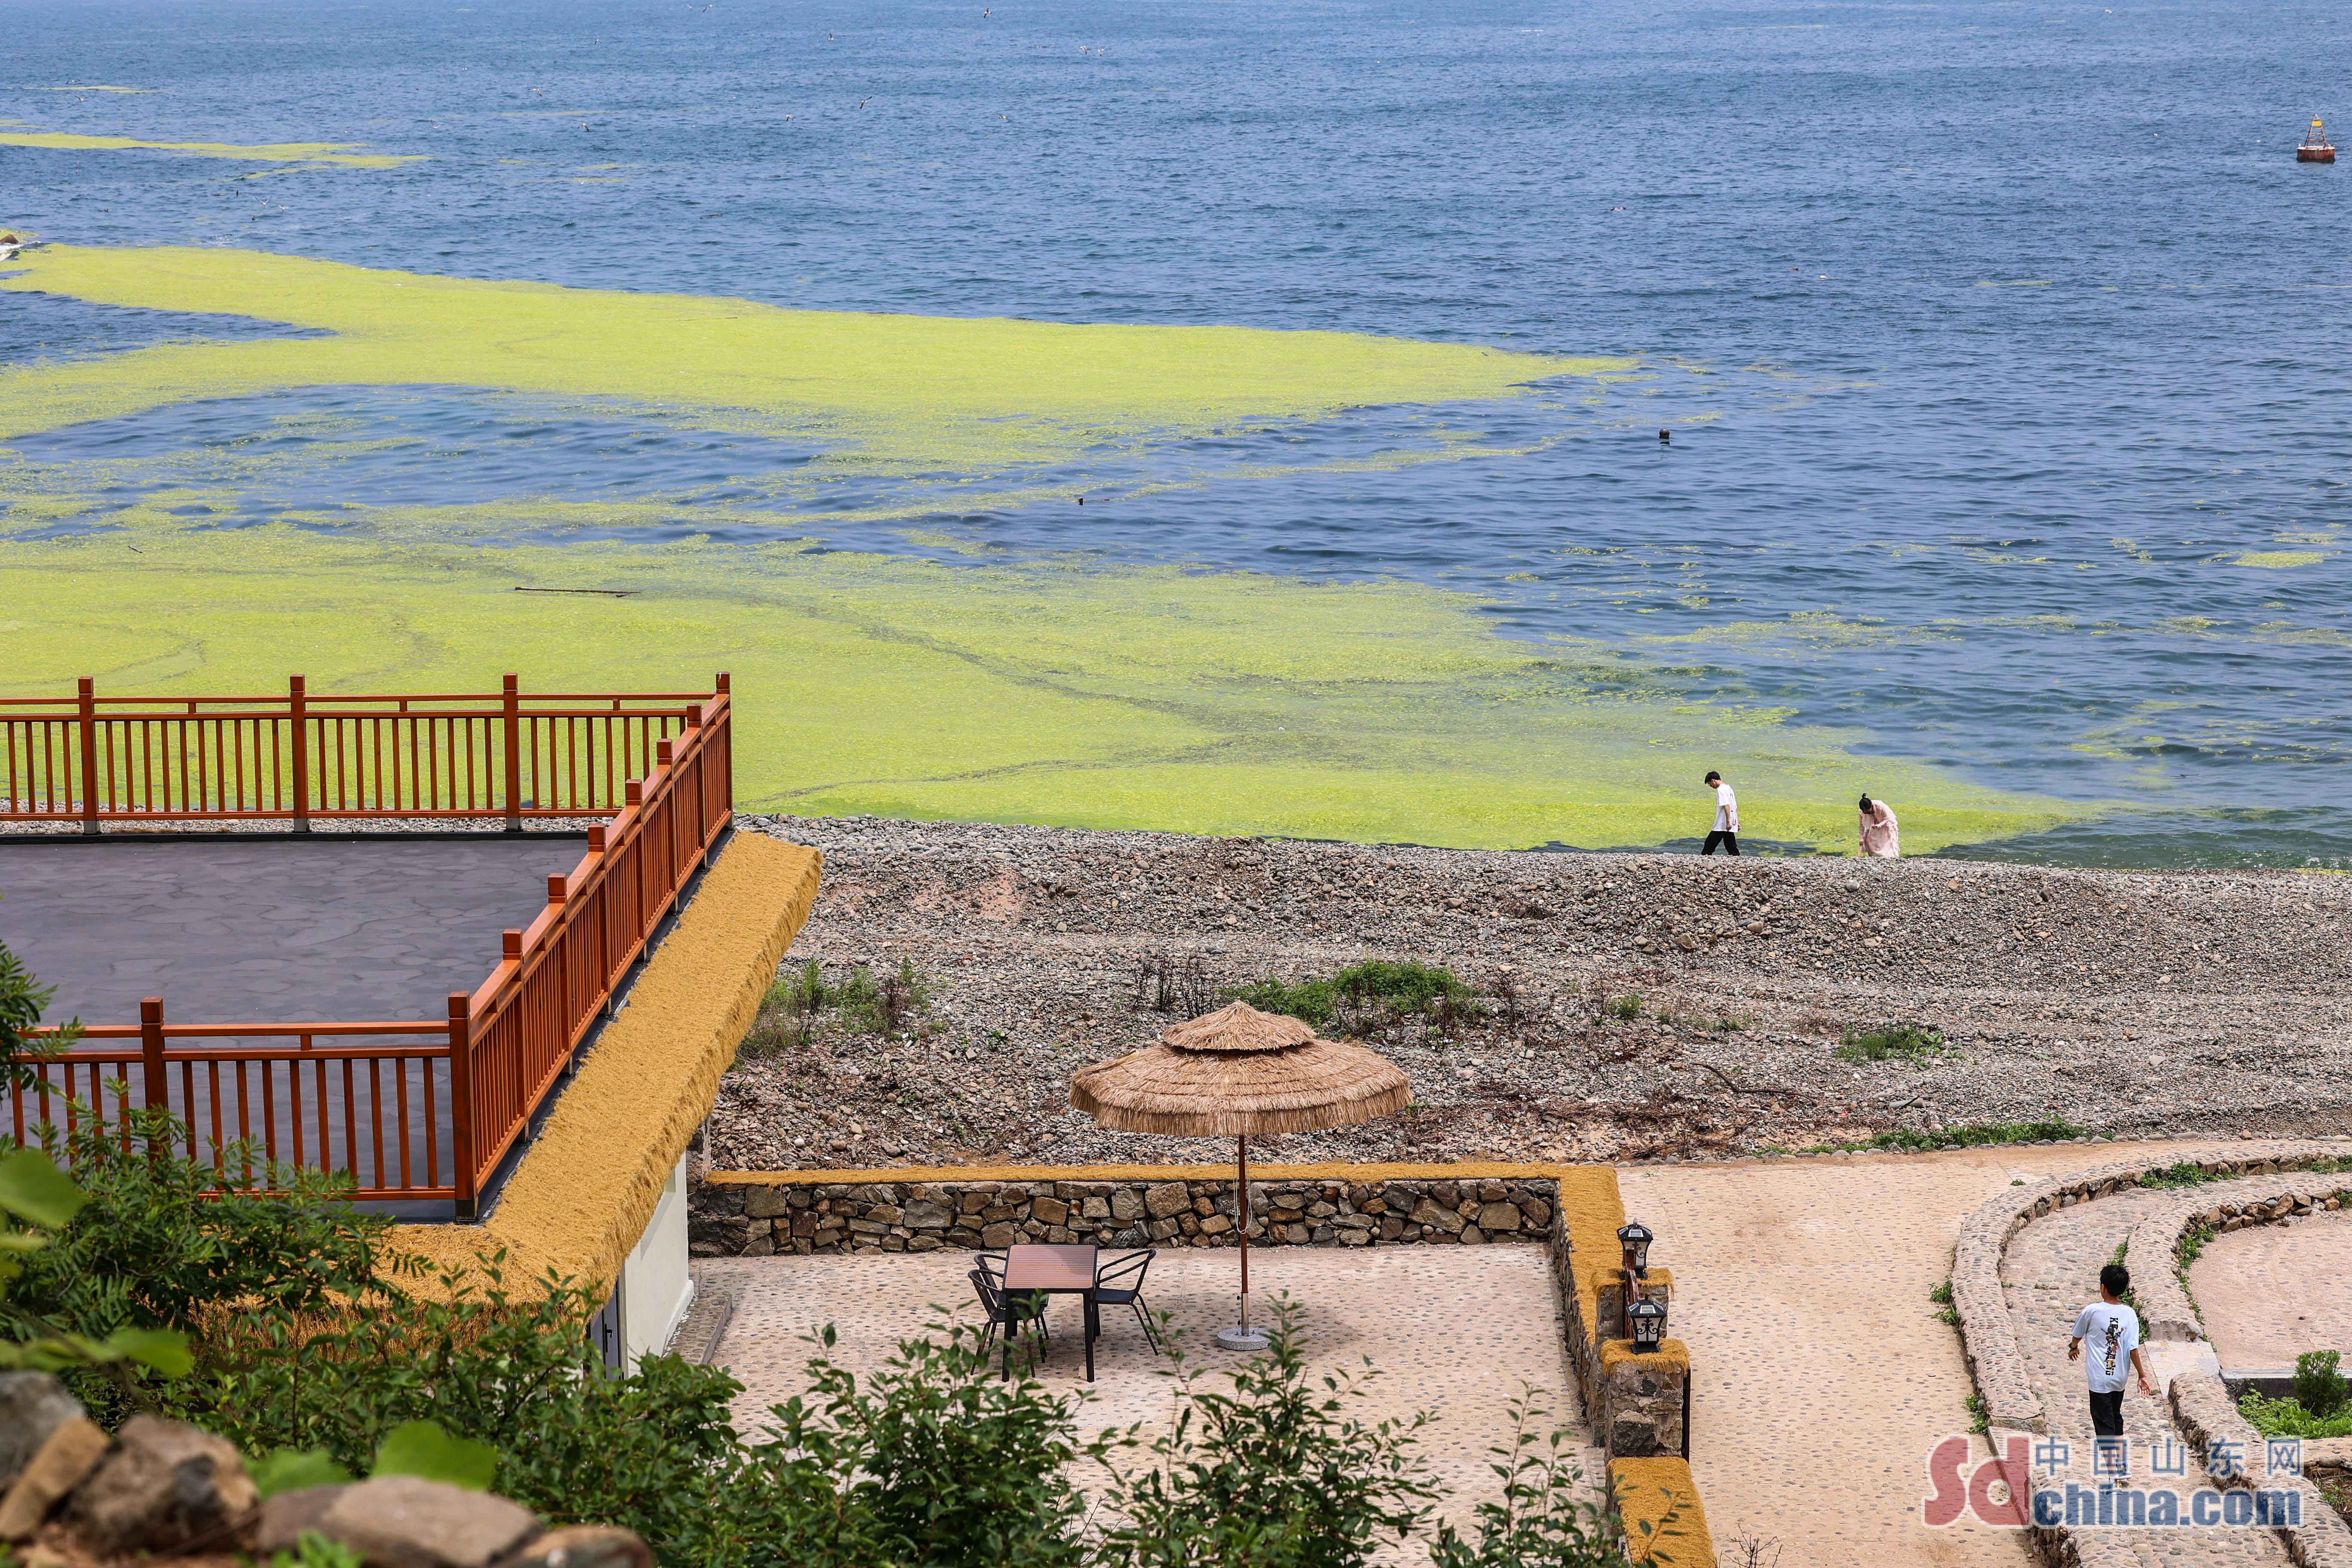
[1054, 1271]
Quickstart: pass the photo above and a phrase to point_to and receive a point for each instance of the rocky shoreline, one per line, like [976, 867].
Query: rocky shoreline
[2127, 1004]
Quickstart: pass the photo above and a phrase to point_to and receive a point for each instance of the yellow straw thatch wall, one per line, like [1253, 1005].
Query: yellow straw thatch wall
[583, 1193]
[1646, 1491]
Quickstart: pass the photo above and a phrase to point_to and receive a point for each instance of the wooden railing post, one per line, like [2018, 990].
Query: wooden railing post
[158, 1085]
[88, 755]
[726, 740]
[461, 1101]
[514, 756]
[297, 703]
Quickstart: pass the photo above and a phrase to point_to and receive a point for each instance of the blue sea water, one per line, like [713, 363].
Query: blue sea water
[1992, 335]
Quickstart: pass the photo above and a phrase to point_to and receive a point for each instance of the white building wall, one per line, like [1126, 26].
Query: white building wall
[654, 1288]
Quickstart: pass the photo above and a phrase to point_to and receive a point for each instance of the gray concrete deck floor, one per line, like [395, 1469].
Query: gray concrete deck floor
[278, 929]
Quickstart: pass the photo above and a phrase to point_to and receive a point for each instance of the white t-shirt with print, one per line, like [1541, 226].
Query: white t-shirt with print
[2109, 1335]
[1727, 809]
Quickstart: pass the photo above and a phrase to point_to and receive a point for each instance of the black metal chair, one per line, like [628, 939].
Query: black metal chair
[1008, 1312]
[1119, 1283]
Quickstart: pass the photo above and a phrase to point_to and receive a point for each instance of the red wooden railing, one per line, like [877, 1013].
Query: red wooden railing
[423, 1110]
[304, 757]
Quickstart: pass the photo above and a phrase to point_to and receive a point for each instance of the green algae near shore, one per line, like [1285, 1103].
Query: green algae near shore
[1136, 697]
[323, 154]
[950, 390]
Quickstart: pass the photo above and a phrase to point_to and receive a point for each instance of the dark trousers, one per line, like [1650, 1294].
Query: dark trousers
[2108, 1414]
[1729, 840]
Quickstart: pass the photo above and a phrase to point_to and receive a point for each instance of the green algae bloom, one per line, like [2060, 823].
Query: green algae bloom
[322, 155]
[1136, 697]
[962, 393]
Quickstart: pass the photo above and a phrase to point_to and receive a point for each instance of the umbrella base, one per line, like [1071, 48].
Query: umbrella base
[1242, 1339]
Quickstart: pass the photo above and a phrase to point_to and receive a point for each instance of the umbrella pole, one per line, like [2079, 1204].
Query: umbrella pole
[1244, 1338]
[1241, 1161]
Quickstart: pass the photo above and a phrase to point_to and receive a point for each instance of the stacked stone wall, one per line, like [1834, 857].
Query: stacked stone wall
[758, 1219]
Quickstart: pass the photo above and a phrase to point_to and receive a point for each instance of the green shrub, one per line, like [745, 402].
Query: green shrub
[1538, 1522]
[2288, 1419]
[2318, 1386]
[1897, 1042]
[2185, 1174]
[1274, 1474]
[1625, 1009]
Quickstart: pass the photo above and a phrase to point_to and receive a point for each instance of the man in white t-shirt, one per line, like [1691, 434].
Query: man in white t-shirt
[2111, 1331]
[1726, 831]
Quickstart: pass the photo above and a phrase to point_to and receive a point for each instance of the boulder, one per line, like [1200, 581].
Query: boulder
[287, 1517]
[166, 1487]
[64, 1461]
[404, 1521]
[585, 1546]
[33, 1405]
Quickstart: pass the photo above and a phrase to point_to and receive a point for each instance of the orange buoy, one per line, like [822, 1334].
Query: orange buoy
[2315, 148]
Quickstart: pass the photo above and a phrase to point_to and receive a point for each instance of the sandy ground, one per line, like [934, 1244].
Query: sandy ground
[2270, 1292]
[1629, 1006]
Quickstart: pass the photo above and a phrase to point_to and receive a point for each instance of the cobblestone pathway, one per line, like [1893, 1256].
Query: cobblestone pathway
[2051, 1270]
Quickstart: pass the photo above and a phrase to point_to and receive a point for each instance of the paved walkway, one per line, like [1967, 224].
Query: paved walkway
[1824, 1375]
[1452, 1329]
[249, 932]
[2270, 1292]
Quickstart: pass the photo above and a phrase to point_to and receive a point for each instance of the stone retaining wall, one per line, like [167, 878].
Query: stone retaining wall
[748, 1218]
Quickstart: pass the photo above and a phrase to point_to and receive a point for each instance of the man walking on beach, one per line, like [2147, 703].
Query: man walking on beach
[2112, 1330]
[1726, 816]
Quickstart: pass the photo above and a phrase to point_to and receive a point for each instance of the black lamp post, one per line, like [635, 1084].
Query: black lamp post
[1648, 1319]
[1635, 1239]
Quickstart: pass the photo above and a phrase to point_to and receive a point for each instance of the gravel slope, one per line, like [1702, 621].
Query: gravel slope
[2133, 1004]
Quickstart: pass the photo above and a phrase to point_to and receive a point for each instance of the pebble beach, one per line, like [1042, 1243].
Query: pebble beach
[1642, 1006]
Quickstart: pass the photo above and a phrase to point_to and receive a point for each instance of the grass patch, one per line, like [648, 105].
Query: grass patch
[1366, 998]
[1625, 1009]
[1942, 1296]
[795, 1005]
[1971, 1135]
[2187, 1173]
[1911, 1043]
[1980, 1420]
[2321, 1406]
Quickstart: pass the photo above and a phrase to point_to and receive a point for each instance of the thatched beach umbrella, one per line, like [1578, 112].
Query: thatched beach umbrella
[1234, 1072]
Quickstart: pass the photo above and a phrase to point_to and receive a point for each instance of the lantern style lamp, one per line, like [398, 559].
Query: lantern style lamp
[1635, 1239]
[1647, 1320]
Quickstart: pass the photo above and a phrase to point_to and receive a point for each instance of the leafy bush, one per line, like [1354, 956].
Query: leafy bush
[2318, 1386]
[1538, 1522]
[1897, 1042]
[2288, 1419]
[1275, 1474]
[1627, 1008]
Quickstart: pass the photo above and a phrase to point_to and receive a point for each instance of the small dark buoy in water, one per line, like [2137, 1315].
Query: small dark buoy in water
[1665, 437]
[2315, 148]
